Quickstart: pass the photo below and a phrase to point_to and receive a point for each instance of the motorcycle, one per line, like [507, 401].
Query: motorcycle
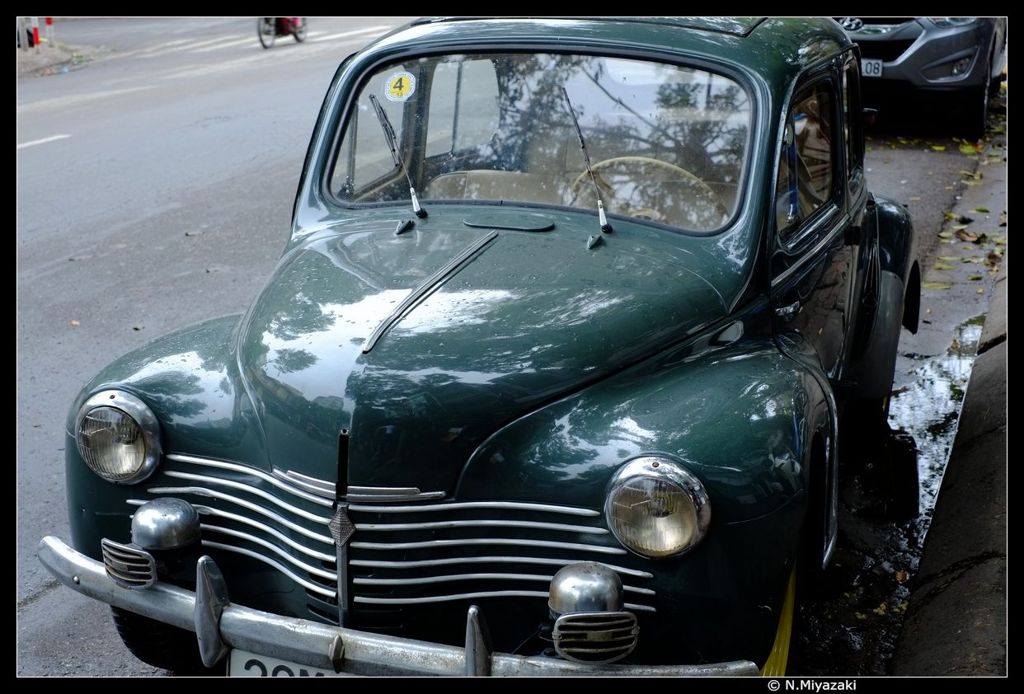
[269, 28]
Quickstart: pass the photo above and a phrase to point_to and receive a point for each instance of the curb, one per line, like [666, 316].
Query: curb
[956, 619]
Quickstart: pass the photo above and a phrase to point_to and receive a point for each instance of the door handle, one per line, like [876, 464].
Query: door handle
[789, 311]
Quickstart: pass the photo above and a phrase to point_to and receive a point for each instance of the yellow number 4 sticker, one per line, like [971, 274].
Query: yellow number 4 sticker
[399, 86]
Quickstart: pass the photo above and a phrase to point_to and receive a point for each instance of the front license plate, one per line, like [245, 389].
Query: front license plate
[245, 664]
[871, 68]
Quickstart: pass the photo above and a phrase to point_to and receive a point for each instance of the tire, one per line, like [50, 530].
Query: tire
[159, 644]
[299, 32]
[974, 119]
[266, 29]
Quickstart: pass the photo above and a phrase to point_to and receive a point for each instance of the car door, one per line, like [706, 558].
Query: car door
[813, 252]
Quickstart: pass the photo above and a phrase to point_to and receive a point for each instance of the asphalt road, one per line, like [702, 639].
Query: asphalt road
[168, 203]
[155, 187]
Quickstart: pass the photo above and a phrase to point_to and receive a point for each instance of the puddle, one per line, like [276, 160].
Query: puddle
[851, 624]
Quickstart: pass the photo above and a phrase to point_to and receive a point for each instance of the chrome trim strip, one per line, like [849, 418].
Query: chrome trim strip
[270, 562]
[471, 596]
[451, 578]
[251, 490]
[460, 505]
[428, 287]
[207, 510]
[487, 560]
[813, 252]
[209, 493]
[487, 541]
[329, 575]
[482, 524]
[370, 498]
[320, 645]
[245, 469]
[321, 488]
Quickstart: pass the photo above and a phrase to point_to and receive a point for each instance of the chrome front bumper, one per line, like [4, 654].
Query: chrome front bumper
[324, 646]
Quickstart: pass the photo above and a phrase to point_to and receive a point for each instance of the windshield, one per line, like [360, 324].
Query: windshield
[666, 143]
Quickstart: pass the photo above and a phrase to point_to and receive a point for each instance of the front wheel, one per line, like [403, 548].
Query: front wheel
[299, 30]
[266, 28]
[159, 644]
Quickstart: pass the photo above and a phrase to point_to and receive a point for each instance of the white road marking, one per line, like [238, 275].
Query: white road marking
[366, 30]
[254, 40]
[192, 45]
[43, 141]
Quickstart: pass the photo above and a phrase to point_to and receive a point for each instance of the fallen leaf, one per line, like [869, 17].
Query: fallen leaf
[982, 238]
[901, 576]
[881, 609]
[1000, 240]
[969, 148]
[939, 148]
[935, 285]
[914, 199]
[1002, 218]
[950, 258]
[976, 175]
[981, 290]
[860, 615]
[948, 216]
[901, 608]
[75, 323]
[964, 219]
[975, 278]
[945, 234]
[972, 183]
[941, 267]
[964, 235]
[958, 227]
[983, 210]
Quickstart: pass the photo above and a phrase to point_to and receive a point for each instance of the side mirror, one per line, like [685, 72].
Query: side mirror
[870, 116]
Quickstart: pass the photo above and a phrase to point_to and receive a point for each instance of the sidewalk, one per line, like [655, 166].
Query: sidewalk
[956, 620]
[56, 58]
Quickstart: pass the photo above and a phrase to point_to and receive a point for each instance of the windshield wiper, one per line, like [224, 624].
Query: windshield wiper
[392, 140]
[605, 226]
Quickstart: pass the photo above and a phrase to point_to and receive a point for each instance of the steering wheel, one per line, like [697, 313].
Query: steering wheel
[704, 191]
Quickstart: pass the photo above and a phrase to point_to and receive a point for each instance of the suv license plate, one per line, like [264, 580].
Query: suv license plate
[870, 68]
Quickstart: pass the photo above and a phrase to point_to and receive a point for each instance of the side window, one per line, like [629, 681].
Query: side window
[807, 166]
[852, 117]
[463, 110]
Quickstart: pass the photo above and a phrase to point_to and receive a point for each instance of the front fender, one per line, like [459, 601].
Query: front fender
[190, 380]
[744, 420]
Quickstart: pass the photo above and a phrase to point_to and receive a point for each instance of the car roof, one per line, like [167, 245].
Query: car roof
[776, 48]
[737, 26]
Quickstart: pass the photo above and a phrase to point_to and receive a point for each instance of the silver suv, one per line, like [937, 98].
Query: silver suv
[960, 58]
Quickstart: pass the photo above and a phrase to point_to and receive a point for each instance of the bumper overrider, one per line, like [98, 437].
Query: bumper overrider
[586, 598]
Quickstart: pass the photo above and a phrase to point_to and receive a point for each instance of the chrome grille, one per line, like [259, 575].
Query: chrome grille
[280, 519]
[130, 566]
[405, 555]
[595, 637]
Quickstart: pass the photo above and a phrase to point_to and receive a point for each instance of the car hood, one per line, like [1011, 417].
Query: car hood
[525, 319]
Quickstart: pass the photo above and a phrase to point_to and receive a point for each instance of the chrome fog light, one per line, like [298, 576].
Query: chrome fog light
[118, 437]
[585, 587]
[165, 523]
[656, 508]
[590, 626]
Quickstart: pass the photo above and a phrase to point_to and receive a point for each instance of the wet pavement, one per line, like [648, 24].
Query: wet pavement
[850, 623]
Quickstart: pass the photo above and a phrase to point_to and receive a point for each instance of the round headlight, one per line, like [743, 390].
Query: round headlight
[656, 508]
[118, 437]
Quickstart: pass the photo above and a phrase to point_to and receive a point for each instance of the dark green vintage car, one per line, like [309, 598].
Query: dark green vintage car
[559, 343]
